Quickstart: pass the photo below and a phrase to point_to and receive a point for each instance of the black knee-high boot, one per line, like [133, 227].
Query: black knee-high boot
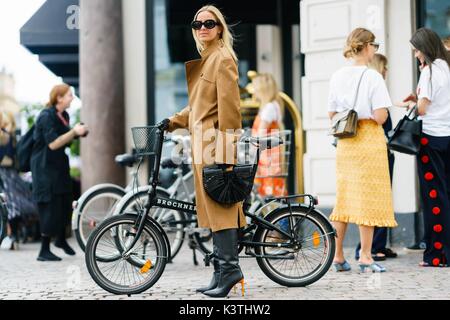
[215, 277]
[230, 271]
[45, 254]
[62, 243]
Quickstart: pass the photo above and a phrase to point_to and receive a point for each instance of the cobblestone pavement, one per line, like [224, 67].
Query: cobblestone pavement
[22, 277]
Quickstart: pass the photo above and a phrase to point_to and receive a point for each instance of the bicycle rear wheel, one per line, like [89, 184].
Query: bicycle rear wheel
[302, 263]
[97, 207]
[119, 274]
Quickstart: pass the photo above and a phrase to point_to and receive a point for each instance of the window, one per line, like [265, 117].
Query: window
[435, 14]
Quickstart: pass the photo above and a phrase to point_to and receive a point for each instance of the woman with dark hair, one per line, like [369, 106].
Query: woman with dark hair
[433, 106]
[52, 186]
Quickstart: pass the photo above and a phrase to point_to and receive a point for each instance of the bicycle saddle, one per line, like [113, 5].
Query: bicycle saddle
[126, 160]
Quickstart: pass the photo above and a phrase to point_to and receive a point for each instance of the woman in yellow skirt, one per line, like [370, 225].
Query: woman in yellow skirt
[364, 194]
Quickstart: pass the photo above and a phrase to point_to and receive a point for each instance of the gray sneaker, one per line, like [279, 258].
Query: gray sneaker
[417, 247]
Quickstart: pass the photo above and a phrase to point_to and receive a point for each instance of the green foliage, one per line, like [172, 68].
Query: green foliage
[75, 173]
[75, 146]
[31, 111]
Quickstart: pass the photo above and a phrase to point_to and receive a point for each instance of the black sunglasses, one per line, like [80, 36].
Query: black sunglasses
[376, 45]
[209, 24]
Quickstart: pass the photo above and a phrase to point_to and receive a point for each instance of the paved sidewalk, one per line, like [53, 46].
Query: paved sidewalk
[22, 277]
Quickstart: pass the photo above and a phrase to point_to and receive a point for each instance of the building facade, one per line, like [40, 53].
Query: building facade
[300, 42]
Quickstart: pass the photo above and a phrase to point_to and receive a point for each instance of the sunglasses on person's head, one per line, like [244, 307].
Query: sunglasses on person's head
[209, 24]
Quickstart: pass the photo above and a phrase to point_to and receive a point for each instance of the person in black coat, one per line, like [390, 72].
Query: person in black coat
[52, 186]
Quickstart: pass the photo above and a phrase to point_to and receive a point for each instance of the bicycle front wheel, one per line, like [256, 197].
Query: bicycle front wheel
[172, 221]
[119, 273]
[299, 262]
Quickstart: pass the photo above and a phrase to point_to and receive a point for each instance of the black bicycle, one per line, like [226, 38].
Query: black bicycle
[294, 244]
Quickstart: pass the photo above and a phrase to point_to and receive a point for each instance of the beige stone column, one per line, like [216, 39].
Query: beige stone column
[102, 90]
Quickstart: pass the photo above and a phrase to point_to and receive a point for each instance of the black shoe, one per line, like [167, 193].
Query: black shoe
[376, 257]
[230, 272]
[389, 253]
[65, 246]
[215, 278]
[48, 256]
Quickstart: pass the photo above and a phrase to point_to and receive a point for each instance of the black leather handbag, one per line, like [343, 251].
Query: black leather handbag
[405, 138]
[228, 187]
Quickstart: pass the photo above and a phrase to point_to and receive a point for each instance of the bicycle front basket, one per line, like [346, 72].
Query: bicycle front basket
[146, 140]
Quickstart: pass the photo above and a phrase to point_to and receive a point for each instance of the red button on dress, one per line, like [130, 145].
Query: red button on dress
[433, 194]
[437, 228]
[436, 262]
[424, 141]
[429, 176]
[425, 159]
[438, 245]
[436, 211]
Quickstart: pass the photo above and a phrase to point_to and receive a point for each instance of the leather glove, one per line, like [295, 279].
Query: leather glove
[164, 124]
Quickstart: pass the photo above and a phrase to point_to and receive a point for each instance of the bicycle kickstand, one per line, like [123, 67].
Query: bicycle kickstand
[194, 257]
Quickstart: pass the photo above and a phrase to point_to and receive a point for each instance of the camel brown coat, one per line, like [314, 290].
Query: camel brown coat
[214, 110]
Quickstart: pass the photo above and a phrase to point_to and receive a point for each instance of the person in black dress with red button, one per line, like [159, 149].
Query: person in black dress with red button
[433, 161]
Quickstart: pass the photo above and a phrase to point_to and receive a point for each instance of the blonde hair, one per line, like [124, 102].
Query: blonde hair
[357, 40]
[266, 89]
[58, 91]
[226, 36]
[8, 119]
[379, 63]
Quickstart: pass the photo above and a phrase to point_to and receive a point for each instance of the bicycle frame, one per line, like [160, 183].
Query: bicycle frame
[189, 207]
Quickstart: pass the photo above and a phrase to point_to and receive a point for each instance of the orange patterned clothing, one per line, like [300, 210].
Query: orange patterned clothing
[269, 180]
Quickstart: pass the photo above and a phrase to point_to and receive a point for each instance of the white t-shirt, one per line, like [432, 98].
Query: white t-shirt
[436, 121]
[372, 95]
[270, 112]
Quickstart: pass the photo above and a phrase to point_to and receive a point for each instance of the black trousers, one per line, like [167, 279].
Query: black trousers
[55, 215]
[434, 174]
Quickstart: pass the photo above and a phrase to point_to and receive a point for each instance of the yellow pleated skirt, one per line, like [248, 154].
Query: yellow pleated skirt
[364, 194]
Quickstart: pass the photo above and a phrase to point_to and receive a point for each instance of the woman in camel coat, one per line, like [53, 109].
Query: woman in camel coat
[214, 121]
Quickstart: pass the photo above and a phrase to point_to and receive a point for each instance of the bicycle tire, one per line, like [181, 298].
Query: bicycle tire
[158, 265]
[114, 193]
[322, 224]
